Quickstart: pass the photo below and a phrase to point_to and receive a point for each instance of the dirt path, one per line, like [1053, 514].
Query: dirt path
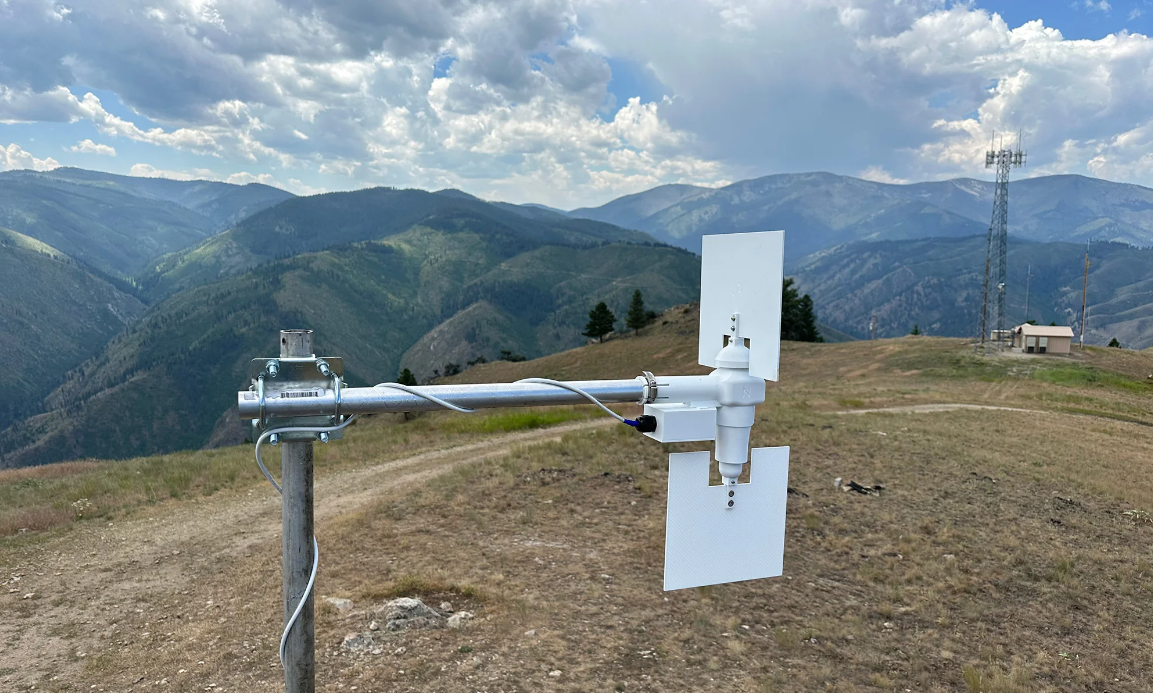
[84, 583]
[932, 408]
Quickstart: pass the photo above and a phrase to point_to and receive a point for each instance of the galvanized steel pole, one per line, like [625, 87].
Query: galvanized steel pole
[296, 540]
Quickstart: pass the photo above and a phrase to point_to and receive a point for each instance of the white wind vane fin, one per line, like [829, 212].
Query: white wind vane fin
[734, 531]
[708, 543]
[742, 274]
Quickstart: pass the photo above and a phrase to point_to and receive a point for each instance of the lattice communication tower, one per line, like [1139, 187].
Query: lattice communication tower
[993, 291]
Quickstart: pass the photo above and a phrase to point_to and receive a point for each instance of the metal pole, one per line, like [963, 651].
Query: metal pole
[1084, 295]
[296, 540]
[368, 400]
[1028, 277]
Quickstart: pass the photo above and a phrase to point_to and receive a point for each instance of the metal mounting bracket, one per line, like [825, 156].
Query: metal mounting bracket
[297, 379]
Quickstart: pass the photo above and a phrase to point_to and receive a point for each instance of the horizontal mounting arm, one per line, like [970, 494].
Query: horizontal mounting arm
[373, 400]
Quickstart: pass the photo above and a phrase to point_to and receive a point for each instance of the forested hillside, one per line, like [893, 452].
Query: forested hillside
[166, 382]
[53, 315]
[937, 283]
[118, 224]
[323, 221]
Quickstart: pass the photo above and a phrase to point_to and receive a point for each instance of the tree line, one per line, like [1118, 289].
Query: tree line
[798, 317]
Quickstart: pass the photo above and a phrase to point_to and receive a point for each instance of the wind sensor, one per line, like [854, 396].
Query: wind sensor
[714, 534]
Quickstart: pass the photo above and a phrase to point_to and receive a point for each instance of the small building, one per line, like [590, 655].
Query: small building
[1042, 339]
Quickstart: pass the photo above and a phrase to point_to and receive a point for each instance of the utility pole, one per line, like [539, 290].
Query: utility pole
[1028, 277]
[873, 327]
[997, 250]
[1084, 295]
[296, 540]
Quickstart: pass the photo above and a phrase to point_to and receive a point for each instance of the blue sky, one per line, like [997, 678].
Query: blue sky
[572, 102]
[1079, 20]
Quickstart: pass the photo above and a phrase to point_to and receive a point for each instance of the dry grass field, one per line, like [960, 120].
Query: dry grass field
[1010, 550]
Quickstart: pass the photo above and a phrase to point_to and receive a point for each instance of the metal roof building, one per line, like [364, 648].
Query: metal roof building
[1042, 339]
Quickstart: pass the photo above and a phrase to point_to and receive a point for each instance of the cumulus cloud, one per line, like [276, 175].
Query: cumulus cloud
[90, 147]
[878, 174]
[518, 98]
[150, 171]
[344, 88]
[292, 185]
[13, 157]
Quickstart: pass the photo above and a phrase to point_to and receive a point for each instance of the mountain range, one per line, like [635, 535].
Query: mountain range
[822, 210]
[118, 224]
[936, 284]
[135, 304]
[385, 277]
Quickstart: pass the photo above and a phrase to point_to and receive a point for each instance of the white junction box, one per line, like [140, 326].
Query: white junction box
[681, 423]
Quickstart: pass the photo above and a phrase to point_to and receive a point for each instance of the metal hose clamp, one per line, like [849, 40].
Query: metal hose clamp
[649, 393]
[260, 394]
[336, 395]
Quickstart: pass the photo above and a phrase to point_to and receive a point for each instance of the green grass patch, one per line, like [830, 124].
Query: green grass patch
[950, 365]
[1072, 376]
[509, 421]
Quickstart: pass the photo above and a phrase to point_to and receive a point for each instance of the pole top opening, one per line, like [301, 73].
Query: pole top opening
[295, 343]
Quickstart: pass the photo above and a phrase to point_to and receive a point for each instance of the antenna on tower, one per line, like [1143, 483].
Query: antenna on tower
[997, 244]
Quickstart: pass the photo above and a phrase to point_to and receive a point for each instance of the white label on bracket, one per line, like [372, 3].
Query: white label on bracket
[709, 543]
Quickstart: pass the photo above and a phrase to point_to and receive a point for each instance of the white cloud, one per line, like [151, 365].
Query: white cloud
[150, 171]
[878, 174]
[345, 94]
[90, 147]
[13, 157]
[1134, 13]
[293, 185]
[1099, 6]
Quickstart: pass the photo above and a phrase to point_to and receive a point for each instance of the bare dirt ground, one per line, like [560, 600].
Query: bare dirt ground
[72, 598]
[1009, 551]
[933, 408]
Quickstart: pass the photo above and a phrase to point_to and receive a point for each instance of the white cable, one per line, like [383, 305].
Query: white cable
[315, 548]
[424, 395]
[303, 429]
[329, 429]
[303, 597]
[577, 390]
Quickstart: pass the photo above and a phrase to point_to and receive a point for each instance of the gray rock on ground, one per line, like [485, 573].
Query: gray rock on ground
[358, 642]
[459, 619]
[406, 613]
[403, 614]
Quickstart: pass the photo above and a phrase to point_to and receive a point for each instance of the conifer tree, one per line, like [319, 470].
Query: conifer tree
[600, 322]
[406, 377]
[637, 316]
[798, 318]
